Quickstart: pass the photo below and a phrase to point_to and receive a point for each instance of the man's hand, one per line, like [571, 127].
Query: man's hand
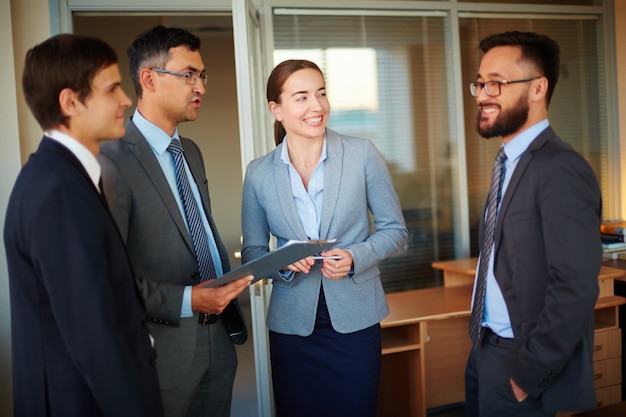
[215, 300]
[520, 394]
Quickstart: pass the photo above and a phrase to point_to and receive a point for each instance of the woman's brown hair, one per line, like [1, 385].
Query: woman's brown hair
[275, 83]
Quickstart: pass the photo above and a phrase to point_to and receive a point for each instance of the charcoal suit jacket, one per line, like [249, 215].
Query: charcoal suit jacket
[546, 262]
[160, 246]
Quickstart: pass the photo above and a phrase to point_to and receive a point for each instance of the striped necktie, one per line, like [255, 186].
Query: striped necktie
[493, 200]
[194, 221]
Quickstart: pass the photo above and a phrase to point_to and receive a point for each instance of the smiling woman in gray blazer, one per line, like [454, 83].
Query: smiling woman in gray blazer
[324, 314]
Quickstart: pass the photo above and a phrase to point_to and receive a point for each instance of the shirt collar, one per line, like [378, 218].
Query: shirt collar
[154, 135]
[284, 153]
[516, 146]
[84, 156]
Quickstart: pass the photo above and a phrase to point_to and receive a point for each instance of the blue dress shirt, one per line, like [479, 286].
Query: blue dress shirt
[495, 314]
[308, 201]
[159, 141]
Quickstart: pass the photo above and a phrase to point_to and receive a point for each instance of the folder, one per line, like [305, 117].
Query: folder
[265, 265]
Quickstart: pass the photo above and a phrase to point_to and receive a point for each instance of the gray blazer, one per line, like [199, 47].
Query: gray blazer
[159, 245]
[357, 181]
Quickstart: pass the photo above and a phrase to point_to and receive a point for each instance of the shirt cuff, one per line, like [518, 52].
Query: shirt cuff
[286, 275]
[185, 309]
[351, 271]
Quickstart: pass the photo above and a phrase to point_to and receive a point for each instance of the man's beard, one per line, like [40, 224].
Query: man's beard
[507, 122]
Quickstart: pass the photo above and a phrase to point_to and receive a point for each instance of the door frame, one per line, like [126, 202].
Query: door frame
[250, 38]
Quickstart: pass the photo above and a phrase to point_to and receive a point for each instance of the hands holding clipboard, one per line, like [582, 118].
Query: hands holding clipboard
[271, 262]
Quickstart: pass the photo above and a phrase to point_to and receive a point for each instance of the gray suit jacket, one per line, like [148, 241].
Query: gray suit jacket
[547, 260]
[159, 245]
[357, 181]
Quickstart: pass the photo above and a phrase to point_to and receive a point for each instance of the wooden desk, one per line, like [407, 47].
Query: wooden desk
[463, 271]
[457, 271]
[426, 344]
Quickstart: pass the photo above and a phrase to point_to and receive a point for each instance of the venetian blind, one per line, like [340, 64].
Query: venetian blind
[387, 79]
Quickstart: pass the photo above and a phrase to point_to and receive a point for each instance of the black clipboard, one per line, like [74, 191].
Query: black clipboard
[271, 262]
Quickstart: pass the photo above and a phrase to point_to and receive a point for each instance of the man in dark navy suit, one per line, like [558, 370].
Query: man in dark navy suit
[533, 336]
[80, 341]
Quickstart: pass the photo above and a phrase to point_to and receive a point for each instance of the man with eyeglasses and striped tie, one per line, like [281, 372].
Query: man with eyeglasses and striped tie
[536, 284]
[156, 187]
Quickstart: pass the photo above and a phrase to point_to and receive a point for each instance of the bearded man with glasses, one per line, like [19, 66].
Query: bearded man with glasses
[540, 254]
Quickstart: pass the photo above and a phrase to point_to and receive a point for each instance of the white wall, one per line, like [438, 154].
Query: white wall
[216, 131]
[22, 24]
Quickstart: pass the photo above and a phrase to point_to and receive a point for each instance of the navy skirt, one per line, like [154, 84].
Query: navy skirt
[328, 373]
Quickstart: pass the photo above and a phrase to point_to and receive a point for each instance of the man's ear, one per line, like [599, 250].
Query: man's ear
[539, 88]
[146, 78]
[68, 102]
[276, 110]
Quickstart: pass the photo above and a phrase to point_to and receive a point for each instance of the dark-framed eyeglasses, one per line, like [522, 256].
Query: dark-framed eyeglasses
[492, 88]
[191, 77]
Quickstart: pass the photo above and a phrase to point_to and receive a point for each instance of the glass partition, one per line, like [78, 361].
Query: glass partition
[388, 80]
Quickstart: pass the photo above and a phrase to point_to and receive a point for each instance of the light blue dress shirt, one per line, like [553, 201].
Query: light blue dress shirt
[308, 201]
[495, 314]
[159, 141]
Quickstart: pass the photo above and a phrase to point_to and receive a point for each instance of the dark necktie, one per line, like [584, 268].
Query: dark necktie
[493, 200]
[101, 189]
[196, 228]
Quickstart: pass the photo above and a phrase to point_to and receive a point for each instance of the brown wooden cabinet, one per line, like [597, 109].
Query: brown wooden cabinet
[426, 345]
[607, 351]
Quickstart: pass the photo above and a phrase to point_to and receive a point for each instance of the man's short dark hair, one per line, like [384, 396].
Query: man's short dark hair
[62, 61]
[151, 49]
[540, 50]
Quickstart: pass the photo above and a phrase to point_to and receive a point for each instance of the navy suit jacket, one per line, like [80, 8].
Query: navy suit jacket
[80, 341]
[547, 259]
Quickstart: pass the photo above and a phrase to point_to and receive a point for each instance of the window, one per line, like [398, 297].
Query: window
[577, 109]
[387, 81]
[390, 77]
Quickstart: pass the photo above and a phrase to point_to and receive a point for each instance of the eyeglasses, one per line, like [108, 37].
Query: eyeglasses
[492, 88]
[191, 78]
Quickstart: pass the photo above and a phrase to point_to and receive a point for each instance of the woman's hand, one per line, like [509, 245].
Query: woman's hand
[336, 268]
[303, 265]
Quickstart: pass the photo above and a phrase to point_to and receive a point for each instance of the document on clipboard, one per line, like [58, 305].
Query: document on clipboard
[264, 266]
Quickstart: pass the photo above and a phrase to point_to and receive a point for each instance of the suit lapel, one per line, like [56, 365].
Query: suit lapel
[197, 172]
[332, 176]
[517, 176]
[332, 180]
[194, 161]
[138, 146]
[282, 182]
